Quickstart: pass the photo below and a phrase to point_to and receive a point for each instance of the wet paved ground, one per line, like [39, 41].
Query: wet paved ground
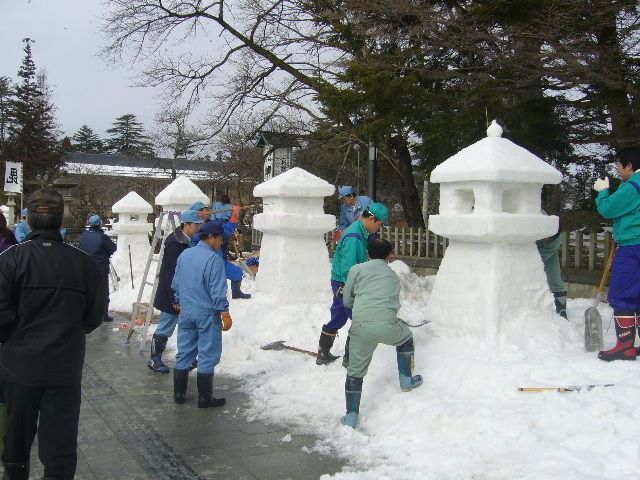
[131, 429]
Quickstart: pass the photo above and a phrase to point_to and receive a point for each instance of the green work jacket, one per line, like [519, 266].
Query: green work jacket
[351, 250]
[373, 291]
[624, 208]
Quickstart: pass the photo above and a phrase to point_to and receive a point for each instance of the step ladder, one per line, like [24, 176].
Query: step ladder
[158, 237]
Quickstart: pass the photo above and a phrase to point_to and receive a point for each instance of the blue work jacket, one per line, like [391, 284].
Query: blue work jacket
[200, 281]
[350, 213]
[22, 230]
[221, 216]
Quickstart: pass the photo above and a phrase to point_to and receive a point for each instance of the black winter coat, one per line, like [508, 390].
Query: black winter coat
[174, 245]
[51, 296]
[98, 246]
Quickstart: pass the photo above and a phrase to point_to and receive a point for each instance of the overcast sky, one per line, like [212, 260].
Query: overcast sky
[67, 40]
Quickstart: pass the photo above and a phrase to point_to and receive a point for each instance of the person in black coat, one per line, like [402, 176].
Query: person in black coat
[100, 248]
[176, 243]
[50, 298]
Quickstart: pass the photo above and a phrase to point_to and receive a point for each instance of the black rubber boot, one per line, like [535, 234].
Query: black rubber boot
[327, 337]
[345, 358]
[180, 381]
[15, 471]
[205, 392]
[560, 299]
[236, 292]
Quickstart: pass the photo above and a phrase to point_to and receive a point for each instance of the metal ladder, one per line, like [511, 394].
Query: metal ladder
[158, 236]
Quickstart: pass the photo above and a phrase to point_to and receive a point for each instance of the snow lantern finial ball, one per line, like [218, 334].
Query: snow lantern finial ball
[490, 199]
[294, 261]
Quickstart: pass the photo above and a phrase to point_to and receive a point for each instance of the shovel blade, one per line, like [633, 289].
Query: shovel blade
[592, 330]
[279, 345]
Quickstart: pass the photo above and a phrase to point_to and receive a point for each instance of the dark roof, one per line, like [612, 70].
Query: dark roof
[276, 139]
[138, 162]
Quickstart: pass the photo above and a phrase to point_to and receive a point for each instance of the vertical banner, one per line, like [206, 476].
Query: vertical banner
[13, 177]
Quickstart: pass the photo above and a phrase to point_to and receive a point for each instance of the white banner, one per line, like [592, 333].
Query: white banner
[13, 177]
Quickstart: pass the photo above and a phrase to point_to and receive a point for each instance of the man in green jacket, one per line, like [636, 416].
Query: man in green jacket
[624, 291]
[373, 291]
[350, 250]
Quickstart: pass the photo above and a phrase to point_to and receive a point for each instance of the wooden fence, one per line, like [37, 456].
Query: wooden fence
[580, 251]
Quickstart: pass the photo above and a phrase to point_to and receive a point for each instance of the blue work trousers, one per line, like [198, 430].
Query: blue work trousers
[233, 272]
[339, 312]
[201, 336]
[624, 291]
[167, 324]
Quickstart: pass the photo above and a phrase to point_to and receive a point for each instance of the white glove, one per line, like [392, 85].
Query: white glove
[601, 184]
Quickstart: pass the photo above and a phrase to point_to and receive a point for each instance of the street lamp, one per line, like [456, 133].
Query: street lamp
[372, 171]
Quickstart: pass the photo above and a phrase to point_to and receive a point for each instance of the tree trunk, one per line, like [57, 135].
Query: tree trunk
[409, 196]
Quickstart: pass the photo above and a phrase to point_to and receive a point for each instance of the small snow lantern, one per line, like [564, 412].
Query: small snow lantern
[490, 211]
[294, 260]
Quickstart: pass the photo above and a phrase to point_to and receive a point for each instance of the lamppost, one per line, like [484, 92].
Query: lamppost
[356, 147]
[372, 171]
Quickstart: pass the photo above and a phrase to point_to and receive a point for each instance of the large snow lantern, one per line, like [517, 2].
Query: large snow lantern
[133, 235]
[178, 196]
[490, 211]
[294, 260]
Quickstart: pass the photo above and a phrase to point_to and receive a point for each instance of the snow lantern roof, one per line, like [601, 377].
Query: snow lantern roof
[132, 203]
[495, 159]
[295, 182]
[181, 191]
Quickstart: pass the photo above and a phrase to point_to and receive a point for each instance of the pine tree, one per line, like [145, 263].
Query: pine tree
[5, 96]
[32, 128]
[86, 141]
[128, 137]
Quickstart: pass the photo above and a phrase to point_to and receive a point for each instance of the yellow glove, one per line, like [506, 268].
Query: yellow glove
[601, 184]
[227, 321]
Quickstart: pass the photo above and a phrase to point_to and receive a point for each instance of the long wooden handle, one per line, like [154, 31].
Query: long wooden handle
[244, 207]
[313, 354]
[543, 389]
[607, 268]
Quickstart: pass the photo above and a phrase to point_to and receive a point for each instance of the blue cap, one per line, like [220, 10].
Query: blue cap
[198, 206]
[95, 220]
[214, 227]
[345, 190]
[24, 212]
[190, 216]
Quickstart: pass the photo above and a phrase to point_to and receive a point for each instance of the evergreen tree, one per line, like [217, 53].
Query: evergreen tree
[5, 97]
[86, 141]
[128, 137]
[32, 128]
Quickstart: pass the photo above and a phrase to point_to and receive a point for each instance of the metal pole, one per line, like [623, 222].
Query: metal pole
[425, 204]
[357, 148]
[373, 163]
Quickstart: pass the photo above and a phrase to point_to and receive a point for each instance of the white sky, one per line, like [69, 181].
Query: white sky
[67, 40]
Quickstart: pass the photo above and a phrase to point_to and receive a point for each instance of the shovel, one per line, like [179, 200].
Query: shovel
[279, 345]
[592, 318]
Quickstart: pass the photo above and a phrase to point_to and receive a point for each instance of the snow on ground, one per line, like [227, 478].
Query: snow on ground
[467, 421]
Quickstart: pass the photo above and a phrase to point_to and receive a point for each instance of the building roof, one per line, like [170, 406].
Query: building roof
[276, 139]
[128, 166]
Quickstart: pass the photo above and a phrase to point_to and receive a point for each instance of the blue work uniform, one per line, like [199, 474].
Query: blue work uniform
[22, 230]
[623, 207]
[100, 248]
[350, 213]
[224, 216]
[233, 272]
[200, 288]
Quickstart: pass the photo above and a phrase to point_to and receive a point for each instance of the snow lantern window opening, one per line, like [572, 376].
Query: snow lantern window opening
[491, 281]
[134, 218]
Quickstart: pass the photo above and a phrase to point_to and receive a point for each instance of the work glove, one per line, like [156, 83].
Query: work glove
[601, 184]
[227, 321]
[235, 214]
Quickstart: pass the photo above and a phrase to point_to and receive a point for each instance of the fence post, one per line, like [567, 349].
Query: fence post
[419, 241]
[404, 241]
[396, 240]
[388, 229]
[578, 250]
[564, 251]
[592, 250]
[435, 246]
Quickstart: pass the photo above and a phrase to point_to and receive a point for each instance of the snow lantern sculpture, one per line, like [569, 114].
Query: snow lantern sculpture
[133, 235]
[179, 195]
[492, 273]
[294, 260]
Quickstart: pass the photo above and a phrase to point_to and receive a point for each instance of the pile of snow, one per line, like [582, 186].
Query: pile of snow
[467, 421]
